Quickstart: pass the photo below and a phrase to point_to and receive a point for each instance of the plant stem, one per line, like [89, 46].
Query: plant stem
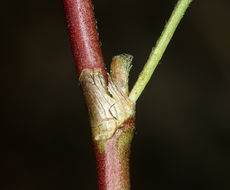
[159, 49]
[111, 111]
[112, 131]
[111, 115]
[83, 35]
[113, 160]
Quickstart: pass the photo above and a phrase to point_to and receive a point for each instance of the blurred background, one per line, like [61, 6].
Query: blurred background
[183, 124]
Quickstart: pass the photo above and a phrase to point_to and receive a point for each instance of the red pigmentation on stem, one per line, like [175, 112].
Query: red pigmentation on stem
[111, 149]
[113, 161]
[83, 35]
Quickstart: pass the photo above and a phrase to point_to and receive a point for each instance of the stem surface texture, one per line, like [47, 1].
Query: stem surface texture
[83, 35]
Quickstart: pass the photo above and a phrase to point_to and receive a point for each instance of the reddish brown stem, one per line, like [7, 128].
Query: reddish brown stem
[83, 35]
[112, 152]
[113, 160]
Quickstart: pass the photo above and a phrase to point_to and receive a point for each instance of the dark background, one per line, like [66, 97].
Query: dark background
[183, 124]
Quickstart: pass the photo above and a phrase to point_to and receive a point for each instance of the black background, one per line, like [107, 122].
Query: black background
[182, 139]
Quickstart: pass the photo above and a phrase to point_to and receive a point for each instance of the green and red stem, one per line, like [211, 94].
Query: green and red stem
[111, 108]
[112, 155]
[113, 159]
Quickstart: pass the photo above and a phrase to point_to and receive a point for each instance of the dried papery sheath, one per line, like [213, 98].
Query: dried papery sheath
[109, 107]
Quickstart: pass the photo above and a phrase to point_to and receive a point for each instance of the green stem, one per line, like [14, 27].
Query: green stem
[158, 51]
